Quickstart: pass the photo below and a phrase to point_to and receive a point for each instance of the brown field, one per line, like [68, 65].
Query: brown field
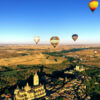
[11, 55]
[88, 57]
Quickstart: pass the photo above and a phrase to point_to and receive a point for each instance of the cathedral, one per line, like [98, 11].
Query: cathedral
[30, 93]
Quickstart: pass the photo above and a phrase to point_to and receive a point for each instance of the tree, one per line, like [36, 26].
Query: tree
[7, 91]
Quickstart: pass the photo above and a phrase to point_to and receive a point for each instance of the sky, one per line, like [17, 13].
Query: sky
[21, 20]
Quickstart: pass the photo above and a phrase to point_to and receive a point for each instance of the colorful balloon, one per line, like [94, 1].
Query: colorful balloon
[74, 37]
[54, 41]
[36, 39]
[93, 5]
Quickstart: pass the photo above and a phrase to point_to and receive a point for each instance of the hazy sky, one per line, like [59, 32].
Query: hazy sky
[21, 20]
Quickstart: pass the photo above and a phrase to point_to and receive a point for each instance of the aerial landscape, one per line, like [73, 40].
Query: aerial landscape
[49, 50]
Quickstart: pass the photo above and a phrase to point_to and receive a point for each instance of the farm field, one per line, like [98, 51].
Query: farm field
[18, 62]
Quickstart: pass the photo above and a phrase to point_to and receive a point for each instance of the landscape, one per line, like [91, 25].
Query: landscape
[49, 50]
[19, 62]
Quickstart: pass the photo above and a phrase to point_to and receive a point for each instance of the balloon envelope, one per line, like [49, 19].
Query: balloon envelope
[74, 37]
[54, 41]
[36, 39]
[95, 52]
[93, 5]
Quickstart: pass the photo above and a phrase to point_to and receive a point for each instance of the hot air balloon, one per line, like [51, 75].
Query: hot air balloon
[95, 52]
[54, 41]
[93, 5]
[74, 37]
[36, 39]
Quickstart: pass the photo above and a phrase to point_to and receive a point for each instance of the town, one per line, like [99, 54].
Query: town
[63, 84]
[49, 50]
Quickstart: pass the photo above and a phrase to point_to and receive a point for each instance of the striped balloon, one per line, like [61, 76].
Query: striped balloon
[54, 41]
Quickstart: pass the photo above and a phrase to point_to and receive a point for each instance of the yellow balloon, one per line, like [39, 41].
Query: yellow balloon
[93, 5]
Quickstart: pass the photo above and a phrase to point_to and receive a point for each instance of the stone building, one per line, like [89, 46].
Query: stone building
[30, 93]
[79, 68]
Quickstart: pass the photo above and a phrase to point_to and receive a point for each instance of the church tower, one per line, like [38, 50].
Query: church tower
[28, 93]
[36, 79]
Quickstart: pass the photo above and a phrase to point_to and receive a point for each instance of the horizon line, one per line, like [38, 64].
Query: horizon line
[49, 44]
